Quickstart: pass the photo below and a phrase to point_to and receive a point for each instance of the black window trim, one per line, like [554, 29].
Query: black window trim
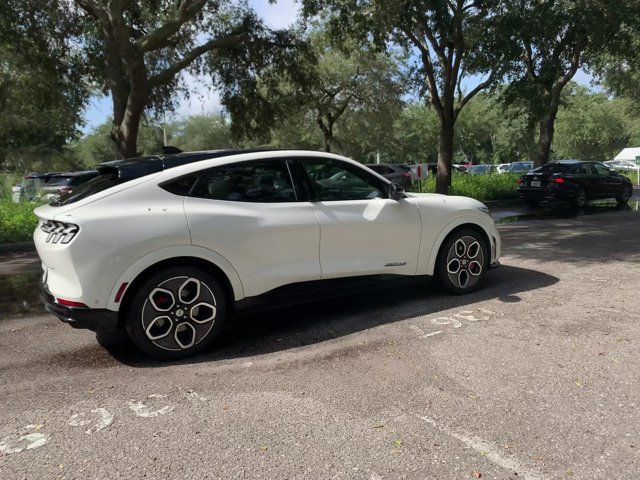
[200, 173]
[300, 160]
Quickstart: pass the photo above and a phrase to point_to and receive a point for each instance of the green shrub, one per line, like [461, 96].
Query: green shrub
[480, 187]
[17, 221]
[633, 176]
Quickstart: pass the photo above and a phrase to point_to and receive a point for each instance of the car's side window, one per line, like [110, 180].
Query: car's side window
[258, 182]
[601, 169]
[582, 169]
[333, 180]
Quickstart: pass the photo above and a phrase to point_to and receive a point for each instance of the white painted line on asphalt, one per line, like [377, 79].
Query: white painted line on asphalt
[105, 418]
[141, 410]
[447, 321]
[432, 334]
[24, 442]
[487, 450]
[193, 395]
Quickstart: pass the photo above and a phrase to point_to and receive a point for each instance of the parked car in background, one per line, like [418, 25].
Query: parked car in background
[31, 185]
[519, 167]
[623, 165]
[400, 174]
[480, 169]
[502, 168]
[60, 183]
[574, 181]
[167, 247]
[15, 194]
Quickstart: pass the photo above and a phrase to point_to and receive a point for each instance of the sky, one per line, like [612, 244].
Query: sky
[280, 14]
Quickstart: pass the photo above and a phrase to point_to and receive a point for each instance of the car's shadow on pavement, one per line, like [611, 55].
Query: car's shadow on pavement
[318, 321]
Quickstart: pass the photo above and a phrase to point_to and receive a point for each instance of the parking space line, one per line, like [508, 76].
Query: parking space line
[487, 450]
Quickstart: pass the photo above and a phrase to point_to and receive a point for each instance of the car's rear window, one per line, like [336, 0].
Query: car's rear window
[97, 184]
[59, 181]
[552, 168]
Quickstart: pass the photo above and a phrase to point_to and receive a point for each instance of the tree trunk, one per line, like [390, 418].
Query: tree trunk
[126, 132]
[327, 142]
[546, 126]
[126, 121]
[445, 156]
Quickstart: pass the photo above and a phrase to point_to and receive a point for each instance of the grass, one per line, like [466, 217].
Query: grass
[17, 221]
[480, 187]
[633, 176]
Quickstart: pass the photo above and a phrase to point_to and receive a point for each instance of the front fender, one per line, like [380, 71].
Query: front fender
[167, 253]
[486, 224]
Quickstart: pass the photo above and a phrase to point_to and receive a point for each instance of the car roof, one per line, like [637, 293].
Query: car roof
[141, 166]
[73, 174]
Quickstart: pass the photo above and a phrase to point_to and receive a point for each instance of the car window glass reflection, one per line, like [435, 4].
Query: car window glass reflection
[333, 182]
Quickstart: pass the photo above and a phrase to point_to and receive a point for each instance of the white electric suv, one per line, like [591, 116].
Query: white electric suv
[168, 247]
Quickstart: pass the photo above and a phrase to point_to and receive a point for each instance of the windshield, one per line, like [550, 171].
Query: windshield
[58, 181]
[97, 184]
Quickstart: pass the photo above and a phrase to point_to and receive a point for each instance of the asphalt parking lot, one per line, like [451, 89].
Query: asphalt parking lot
[536, 376]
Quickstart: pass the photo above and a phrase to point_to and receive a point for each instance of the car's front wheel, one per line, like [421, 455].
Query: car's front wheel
[176, 313]
[624, 198]
[463, 261]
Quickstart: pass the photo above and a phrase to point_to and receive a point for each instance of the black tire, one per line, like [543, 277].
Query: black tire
[581, 198]
[445, 265]
[190, 325]
[532, 203]
[626, 196]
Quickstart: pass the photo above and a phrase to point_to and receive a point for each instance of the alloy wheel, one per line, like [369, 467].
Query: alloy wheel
[465, 262]
[179, 313]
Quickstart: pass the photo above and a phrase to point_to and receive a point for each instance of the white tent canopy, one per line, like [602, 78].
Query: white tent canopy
[629, 154]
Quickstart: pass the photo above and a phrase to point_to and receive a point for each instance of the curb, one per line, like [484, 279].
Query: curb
[17, 247]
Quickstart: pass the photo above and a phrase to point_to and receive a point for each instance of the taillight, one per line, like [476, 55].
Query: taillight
[70, 303]
[520, 181]
[406, 175]
[559, 180]
[59, 231]
[65, 189]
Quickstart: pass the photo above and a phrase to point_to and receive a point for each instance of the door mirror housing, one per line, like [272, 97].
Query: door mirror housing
[396, 192]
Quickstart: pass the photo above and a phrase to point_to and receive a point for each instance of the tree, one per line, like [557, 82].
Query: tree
[332, 82]
[41, 90]
[453, 39]
[591, 126]
[138, 50]
[202, 132]
[550, 42]
[415, 135]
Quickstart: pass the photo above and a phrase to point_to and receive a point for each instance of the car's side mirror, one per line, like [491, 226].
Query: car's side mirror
[396, 192]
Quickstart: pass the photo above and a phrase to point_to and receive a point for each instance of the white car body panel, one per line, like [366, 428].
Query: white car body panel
[258, 246]
[365, 237]
[269, 244]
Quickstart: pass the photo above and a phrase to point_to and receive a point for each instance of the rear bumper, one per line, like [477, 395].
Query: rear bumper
[96, 319]
[546, 193]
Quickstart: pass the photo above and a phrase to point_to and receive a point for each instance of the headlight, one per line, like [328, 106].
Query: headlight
[485, 209]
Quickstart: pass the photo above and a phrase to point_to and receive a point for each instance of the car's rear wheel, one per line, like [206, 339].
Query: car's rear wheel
[581, 198]
[463, 261]
[176, 313]
[624, 198]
